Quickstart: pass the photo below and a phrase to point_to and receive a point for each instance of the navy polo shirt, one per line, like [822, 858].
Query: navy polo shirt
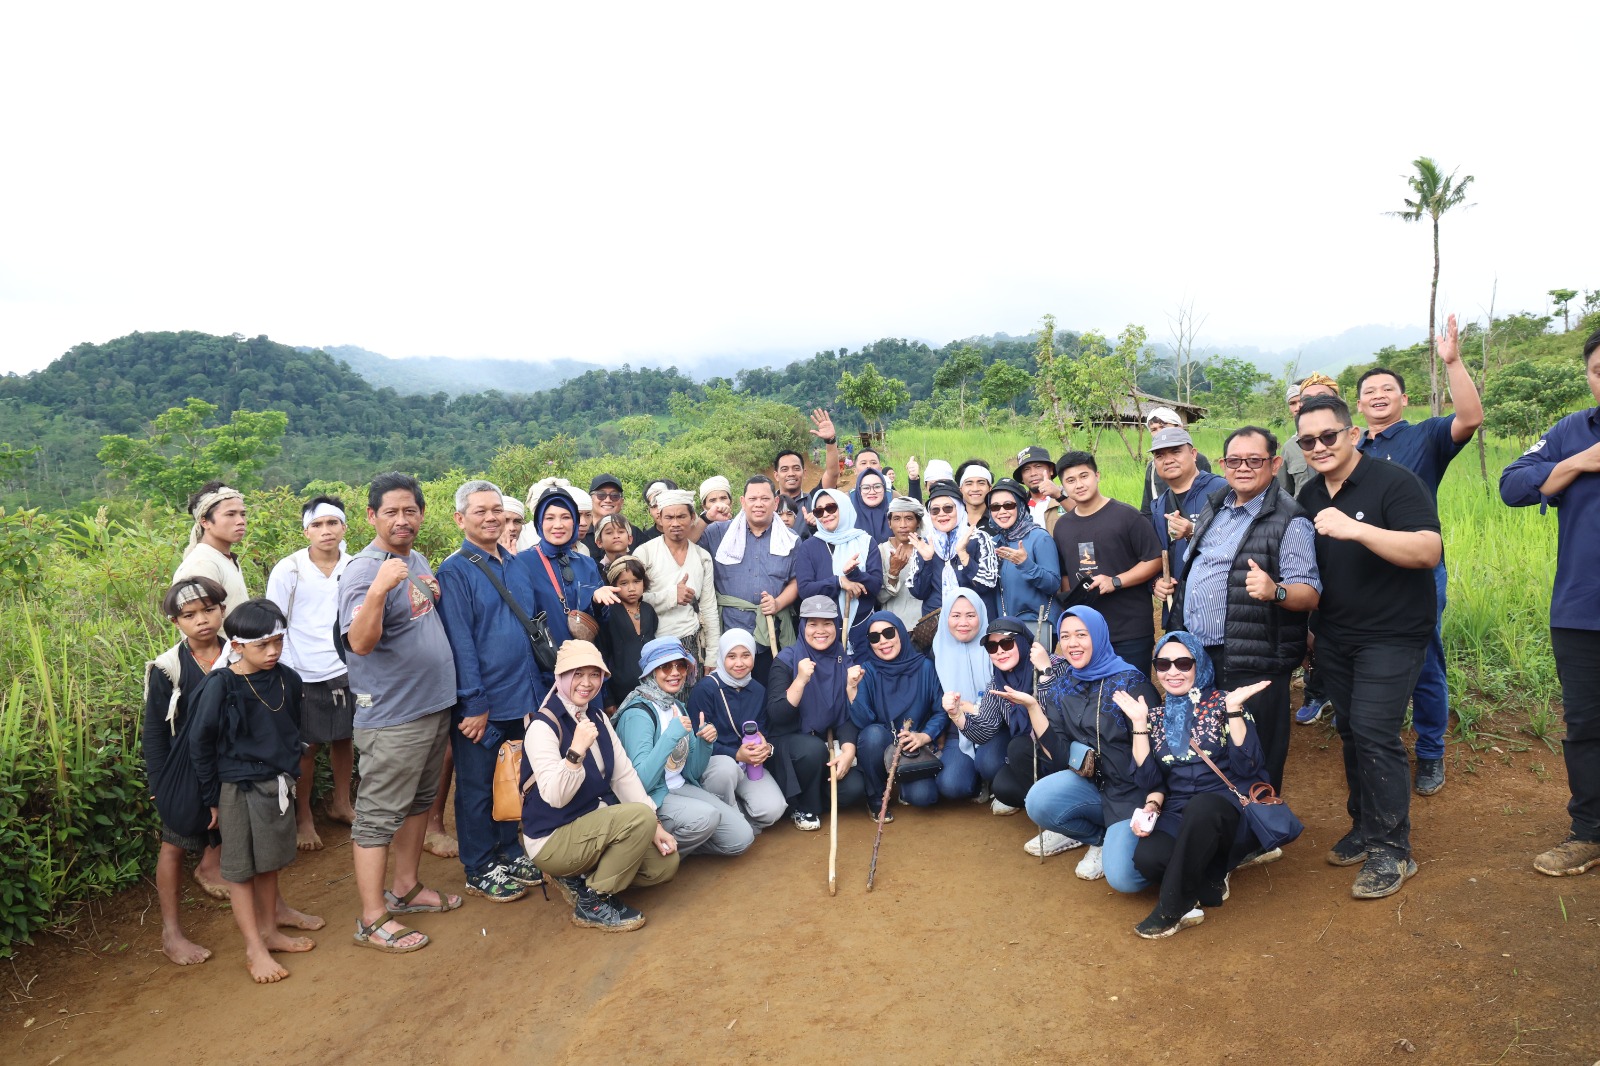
[1365, 598]
[1575, 599]
[1424, 448]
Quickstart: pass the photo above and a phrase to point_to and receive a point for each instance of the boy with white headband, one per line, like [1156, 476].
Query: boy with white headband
[305, 586]
[245, 742]
[219, 524]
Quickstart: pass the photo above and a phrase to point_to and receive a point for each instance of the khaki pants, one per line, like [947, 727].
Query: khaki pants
[616, 846]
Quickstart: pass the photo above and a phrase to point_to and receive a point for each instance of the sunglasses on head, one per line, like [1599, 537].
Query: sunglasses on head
[943, 510]
[1182, 662]
[1254, 462]
[878, 636]
[995, 645]
[823, 510]
[1012, 506]
[1325, 438]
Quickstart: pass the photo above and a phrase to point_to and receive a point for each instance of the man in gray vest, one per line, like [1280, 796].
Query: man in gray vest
[1247, 584]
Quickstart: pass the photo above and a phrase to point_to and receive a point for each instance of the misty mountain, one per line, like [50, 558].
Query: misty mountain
[1330, 355]
[426, 375]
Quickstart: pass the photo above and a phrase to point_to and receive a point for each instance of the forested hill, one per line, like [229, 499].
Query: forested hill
[340, 427]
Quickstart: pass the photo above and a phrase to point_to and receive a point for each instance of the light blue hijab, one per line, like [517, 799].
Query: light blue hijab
[1178, 712]
[963, 667]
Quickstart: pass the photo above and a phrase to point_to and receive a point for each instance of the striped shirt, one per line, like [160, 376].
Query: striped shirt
[1205, 605]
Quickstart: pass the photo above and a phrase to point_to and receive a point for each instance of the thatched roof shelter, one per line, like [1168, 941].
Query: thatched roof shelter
[1131, 411]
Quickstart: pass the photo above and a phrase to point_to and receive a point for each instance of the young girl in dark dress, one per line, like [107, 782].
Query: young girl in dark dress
[626, 628]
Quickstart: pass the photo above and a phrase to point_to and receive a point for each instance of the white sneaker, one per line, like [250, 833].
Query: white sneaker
[1049, 842]
[1002, 809]
[1194, 917]
[1090, 868]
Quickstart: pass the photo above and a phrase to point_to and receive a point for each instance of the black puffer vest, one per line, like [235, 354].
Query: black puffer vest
[1260, 638]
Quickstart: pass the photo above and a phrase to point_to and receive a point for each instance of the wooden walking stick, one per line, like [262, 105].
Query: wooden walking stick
[1166, 574]
[833, 821]
[772, 636]
[883, 811]
[1038, 633]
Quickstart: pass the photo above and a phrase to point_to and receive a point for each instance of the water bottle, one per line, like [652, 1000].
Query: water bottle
[753, 739]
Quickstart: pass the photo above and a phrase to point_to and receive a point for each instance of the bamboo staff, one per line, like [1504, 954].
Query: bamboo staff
[833, 821]
[1166, 574]
[772, 635]
[883, 811]
[1038, 634]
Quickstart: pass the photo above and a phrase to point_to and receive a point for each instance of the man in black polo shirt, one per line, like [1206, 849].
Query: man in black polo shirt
[1377, 543]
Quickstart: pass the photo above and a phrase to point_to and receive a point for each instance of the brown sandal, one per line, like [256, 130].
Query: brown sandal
[373, 936]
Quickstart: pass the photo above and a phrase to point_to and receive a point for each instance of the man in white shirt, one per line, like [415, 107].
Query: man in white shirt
[219, 525]
[306, 587]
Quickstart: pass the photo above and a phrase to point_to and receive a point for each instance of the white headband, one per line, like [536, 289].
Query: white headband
[714, 483]
[322, 510]
[277, 631]
[205, 504]
[674, 498]
[976, 471]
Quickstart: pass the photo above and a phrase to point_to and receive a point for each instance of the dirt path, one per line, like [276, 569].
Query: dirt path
[968, 951]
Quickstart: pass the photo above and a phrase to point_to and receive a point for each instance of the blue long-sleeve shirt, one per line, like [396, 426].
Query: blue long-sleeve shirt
[578, 593]
[879, 703]
[815, 577]
[495, 669]
[1577, 583]
[1026, 586]
[728, 709]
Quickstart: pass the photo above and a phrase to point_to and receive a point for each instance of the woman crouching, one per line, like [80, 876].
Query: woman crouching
[586, 817]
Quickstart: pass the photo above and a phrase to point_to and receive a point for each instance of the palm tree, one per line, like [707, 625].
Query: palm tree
[1435, 194]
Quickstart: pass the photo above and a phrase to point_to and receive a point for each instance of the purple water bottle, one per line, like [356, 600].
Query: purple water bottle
[753, 739]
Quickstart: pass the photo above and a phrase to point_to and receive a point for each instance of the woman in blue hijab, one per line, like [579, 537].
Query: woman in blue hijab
[1092, 793]
[563, 578]
[1199, 832]
[871, 498]
[898, 683]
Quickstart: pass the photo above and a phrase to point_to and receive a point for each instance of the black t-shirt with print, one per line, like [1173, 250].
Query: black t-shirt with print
[1111, 541]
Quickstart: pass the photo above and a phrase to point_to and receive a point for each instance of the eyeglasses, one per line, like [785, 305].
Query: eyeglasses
[943, 510]
[823, 510]
[1254, 462]
[999, 644]
[1182, 662]
[1012, 506]
[1325, 438]
[878, 636]
[607, 495]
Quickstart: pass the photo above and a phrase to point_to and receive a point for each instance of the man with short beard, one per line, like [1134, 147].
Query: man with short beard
[753, 570]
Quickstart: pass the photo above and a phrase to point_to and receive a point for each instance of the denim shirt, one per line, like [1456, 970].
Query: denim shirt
[494, 662]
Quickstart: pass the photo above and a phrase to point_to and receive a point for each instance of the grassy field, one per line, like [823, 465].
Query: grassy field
[1501, 562]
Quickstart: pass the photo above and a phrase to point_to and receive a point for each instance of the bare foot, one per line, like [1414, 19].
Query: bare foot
[345, 815]
[212, 886]
[440, 843]
[264, 969]
[276, 941]
[181, 950]
[289, 917]
[306, 838]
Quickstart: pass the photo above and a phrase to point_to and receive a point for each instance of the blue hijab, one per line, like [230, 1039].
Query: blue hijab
[824, 704]
[893, 690]
[1178, 713]
[875, 520]
[903, 668]
[1103, 661]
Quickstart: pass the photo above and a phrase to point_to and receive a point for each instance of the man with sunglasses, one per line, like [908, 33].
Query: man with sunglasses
[1377, 544]
[1425, 449]
[1247, 583]
[605, 493]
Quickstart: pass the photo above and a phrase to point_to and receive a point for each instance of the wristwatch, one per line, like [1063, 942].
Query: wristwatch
[1116, 581]
[573, 757]
[1281, 595]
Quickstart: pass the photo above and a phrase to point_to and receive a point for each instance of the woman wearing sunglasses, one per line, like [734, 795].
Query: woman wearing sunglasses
[898, 683]
[953, 554]
[840, 562]
[1015, 659]
[1030, 566]
[669, 750]
[1079, 727]
[1198, 832]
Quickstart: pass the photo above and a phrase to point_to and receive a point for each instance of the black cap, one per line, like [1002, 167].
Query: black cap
[944, 488]
[604, 479]
[1015, 488]
[1031, 454]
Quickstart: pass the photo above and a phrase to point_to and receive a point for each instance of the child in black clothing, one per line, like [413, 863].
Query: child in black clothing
[627, 627]
[172, 679]
[245, 742]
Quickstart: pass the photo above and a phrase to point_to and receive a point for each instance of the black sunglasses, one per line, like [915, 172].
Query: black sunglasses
[1254, 462]
[1012, 506]
[607, 495]
[1182, 662]
[823, 510]
[878, 636]
[1325, 438]
[943, 510]
[999, 644]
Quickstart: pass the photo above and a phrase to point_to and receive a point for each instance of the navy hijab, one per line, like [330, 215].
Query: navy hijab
[875, 520]
[1019, 677]
[824, 704]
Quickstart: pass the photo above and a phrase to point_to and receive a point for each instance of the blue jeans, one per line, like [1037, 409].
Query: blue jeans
[1430, 700]
[484, 842]
[961, 775]
[870, 747]
[1069, 804]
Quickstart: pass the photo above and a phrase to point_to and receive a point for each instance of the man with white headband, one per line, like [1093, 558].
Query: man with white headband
[219, 524]
[681, 588]
[305, 586]
[975, 480]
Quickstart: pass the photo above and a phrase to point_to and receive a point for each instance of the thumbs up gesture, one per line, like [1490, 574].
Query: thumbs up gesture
[685, 593]
[1259, 584]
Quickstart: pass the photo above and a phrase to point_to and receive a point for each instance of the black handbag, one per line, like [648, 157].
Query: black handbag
[1270, 819]
[925, 763]
[544, 646]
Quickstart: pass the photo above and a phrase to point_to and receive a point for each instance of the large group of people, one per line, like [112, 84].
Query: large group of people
[606, 699]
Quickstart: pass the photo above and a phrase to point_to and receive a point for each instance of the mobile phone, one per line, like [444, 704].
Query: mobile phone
[492, 736]
[1144, 819]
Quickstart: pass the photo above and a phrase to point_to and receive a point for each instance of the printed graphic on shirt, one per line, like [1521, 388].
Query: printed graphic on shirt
[421, 603]
[1088, 561]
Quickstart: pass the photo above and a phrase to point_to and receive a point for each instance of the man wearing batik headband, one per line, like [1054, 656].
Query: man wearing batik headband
[305, 586]
[219, 524]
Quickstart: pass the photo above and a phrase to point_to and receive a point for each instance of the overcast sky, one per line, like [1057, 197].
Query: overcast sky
[618, 181]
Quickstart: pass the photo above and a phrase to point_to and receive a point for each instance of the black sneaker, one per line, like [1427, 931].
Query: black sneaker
[572, 887]
[606, 913]
[522, 870]
[1158, 926]
[1347, 852]
[1382, 875]
[1430, 776]
[805, 820]
[872, 812]
[494, 886]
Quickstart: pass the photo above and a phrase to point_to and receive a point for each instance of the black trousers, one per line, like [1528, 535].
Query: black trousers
[1189, 868]
[1578, 667]
[1269, 707]
[1010, 786]
[805, 785]
[1138, 653]
[1370, 686]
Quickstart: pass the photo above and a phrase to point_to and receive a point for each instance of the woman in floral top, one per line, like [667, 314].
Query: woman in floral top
[1198, 832]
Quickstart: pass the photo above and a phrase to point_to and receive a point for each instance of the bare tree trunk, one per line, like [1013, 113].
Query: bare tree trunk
[1435, 407]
